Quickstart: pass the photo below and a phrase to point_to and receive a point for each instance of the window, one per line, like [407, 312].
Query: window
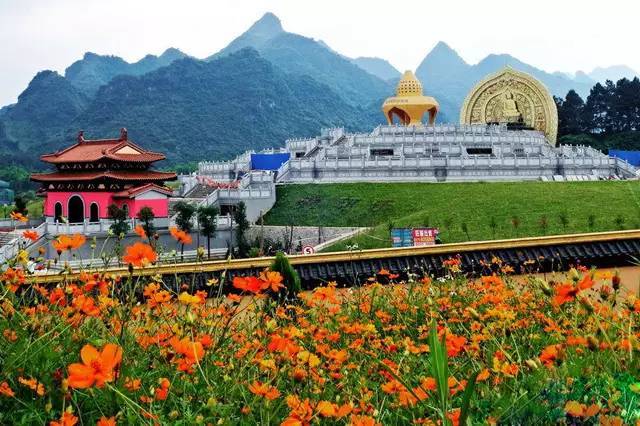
[381, 152]
[479, 151]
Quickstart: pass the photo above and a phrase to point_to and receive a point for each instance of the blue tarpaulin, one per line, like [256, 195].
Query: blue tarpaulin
[632, 157]
[268, 161]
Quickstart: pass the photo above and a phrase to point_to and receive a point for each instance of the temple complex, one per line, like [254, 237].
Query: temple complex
[507, 132]
[91, 175]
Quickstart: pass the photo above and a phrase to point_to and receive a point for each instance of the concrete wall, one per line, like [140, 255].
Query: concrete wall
[306, 235]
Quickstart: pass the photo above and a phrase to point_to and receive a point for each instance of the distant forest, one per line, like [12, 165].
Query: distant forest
[608, 119]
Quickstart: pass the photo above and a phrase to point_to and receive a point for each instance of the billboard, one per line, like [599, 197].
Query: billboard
[411, 237]
[401, 237]
[424, 236]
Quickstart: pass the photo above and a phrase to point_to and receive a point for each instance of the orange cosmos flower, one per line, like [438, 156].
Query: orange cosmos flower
[132, 384]
[455, 344]
[181, 236]
[550, 355]
[104, 421]
[362, 421]
[565, 293]
[140, 254]
[6, 390]
[66, 242]
[140, 231]
[271, 280]
[67, 419]
[19, 217]
[96, 368]
[32, 384]
[162, 392]
[30, 235]
[248, 284]
[576, 409]
[192, 353]
[263, 389]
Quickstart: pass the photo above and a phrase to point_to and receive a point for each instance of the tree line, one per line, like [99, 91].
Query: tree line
[609, 118]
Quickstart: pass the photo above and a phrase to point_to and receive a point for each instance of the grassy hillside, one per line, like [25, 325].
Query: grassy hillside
[515, 209]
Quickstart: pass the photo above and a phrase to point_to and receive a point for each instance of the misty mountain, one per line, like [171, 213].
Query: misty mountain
[191, 110]
[93, 70]
[449, 78]
[43, 110]
[613, 73]
[381, 68]
[299, 55]
[267, 85]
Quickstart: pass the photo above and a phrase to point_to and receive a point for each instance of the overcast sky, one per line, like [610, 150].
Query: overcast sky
[565, 35]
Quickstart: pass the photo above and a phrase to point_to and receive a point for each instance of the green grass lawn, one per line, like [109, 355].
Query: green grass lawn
[569, 207]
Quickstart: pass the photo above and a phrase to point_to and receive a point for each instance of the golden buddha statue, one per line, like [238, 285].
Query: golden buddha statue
[510, 112]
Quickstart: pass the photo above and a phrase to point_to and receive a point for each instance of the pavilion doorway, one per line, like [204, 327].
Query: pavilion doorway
[76, 209]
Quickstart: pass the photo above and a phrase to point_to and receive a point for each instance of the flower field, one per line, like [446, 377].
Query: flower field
[493, 350]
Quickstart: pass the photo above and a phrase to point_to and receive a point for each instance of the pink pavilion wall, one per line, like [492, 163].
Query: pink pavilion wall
[160, 206]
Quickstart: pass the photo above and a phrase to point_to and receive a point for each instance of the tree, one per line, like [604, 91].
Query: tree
[120, 225]
[597, 108]
[20, 205]
[207, 221]
[242, 226]
[184, 216]
[570, 114]
[146, 216]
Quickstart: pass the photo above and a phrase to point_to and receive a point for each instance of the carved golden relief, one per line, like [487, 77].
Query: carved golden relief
[511, 96]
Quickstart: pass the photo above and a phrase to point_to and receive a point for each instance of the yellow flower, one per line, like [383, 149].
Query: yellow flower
[308, 358]
[189, 299]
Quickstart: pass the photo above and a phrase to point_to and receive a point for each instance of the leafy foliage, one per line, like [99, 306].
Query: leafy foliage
[241, 228]
[207, 217]
[120, 225]
[184, 215]
[290, 277]
[146, 216]
[610, 117]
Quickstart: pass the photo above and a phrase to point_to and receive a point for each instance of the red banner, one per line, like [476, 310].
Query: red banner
[424, 236]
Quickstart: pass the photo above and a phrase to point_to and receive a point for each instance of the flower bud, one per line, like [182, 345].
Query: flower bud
[474, 314]
[592, 342]
[532, 364]
[574, 274]
[615, 281]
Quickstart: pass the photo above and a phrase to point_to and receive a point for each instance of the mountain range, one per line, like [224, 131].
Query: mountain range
[265, 86]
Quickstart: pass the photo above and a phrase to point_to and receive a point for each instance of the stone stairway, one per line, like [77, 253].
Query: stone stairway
[199, 191]
[6, 237]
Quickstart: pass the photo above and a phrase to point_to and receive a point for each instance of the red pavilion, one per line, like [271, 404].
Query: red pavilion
[93, 174]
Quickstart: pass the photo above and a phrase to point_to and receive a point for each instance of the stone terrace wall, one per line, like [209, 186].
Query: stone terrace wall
[307, 235]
